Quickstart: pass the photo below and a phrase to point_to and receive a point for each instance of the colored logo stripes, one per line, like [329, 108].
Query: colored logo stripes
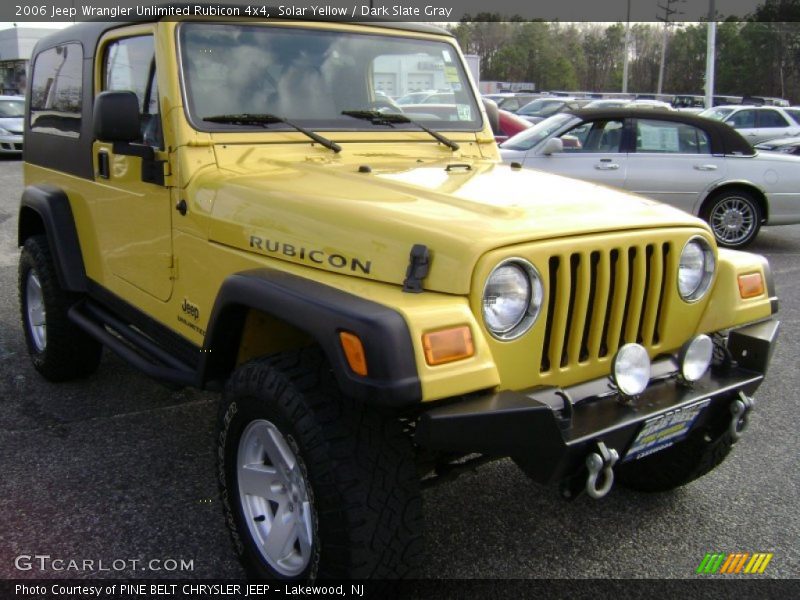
[739, 562]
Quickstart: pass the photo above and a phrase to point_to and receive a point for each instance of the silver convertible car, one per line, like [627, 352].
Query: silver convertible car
[701, 166]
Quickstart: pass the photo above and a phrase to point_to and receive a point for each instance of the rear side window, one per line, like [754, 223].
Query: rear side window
[795, 114]
[771, 118]
[670, 137]
[56, 90]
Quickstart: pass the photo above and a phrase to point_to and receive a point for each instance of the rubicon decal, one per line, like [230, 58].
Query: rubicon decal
[718, 563]
[311, 255]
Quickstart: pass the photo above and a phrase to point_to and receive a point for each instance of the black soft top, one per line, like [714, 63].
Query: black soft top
[724, 138]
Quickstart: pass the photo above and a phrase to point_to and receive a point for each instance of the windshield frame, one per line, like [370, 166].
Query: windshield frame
[360, 126]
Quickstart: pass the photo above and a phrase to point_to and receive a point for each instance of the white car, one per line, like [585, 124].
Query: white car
[758, 123]
[12, 109]
[651, 104]
[541, 108]
[701, 166]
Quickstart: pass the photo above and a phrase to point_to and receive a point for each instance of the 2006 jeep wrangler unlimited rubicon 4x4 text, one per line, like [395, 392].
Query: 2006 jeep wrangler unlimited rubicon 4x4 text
[240, 206]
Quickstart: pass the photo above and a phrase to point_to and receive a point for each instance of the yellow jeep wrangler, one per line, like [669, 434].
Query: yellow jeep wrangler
[244, 207]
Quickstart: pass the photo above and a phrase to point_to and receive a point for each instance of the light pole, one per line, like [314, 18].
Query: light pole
[667, 20]
[626, 54]
[711, 41]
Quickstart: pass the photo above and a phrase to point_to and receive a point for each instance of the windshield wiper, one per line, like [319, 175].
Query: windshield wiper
[263, 119]
[380, 118]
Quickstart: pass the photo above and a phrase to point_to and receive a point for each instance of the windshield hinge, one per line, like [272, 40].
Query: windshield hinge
[173, 268]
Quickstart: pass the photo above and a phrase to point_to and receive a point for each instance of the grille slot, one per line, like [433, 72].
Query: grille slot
[600, 300]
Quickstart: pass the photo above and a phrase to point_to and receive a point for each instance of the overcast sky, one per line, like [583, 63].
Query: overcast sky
[47, 24]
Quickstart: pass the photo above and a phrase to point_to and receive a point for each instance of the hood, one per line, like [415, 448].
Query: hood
[12, 124]
[363, 220]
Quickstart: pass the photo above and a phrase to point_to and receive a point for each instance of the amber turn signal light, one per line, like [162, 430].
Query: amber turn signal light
[751, 285]
[354, 352]
[448, 345]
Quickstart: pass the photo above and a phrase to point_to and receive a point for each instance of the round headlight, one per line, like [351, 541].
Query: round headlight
[512, 298]
[631, 369]
[696, 269]
[696, 357]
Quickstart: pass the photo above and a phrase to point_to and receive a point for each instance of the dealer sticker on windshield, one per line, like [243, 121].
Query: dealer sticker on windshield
[664, 430]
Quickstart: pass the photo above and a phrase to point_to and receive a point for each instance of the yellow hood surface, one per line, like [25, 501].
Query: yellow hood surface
[362, 218]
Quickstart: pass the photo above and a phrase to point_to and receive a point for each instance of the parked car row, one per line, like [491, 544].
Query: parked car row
[538, 108]
[697, 164]
[758, 123]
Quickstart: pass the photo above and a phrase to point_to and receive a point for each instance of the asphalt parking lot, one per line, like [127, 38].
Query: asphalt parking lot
[117, 467]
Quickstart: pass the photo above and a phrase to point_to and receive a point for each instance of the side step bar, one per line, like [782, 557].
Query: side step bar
[131, 345]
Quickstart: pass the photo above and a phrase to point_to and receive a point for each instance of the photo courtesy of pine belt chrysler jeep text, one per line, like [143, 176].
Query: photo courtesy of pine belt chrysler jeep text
[242, 207]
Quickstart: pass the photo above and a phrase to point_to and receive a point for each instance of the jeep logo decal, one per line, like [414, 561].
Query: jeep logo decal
[190, 309]
[319, 257]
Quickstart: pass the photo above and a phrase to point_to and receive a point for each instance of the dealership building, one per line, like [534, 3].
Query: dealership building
[16, 47]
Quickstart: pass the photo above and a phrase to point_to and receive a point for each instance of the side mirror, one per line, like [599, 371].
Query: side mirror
[553, 146]
[116, 117]
[493, 113]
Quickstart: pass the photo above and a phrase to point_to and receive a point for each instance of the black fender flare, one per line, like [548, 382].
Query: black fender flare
[322, 312]
[52, 207]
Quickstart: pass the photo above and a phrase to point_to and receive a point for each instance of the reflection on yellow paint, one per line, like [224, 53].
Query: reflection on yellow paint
[119, 165]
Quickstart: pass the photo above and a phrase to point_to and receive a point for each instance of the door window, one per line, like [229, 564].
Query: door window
[594, 136]
[130, 65]
[670, 137]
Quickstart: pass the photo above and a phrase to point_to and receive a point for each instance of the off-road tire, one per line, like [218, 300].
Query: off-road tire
[69, 352]
[678, 465]
[358, 463]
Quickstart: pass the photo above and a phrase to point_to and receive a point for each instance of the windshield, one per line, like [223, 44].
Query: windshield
[716, 113]
[12, 108]
[311, 77]
[538, 133]
[541, 107]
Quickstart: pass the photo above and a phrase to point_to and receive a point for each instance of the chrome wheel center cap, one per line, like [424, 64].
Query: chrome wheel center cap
[733, 219]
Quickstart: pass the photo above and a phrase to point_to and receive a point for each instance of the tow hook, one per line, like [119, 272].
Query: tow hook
[740, 408]
[602, 461]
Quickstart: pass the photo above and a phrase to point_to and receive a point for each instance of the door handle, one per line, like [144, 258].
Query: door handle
[103, 169]
[705, 167]
[606, 166]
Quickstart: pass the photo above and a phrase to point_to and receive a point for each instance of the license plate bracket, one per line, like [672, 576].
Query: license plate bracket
[666, 429]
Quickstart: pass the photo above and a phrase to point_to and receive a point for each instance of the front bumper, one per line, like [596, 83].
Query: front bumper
[560, 427]
[11, 144]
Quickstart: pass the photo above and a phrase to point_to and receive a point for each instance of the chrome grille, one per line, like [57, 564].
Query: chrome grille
[600, 300]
